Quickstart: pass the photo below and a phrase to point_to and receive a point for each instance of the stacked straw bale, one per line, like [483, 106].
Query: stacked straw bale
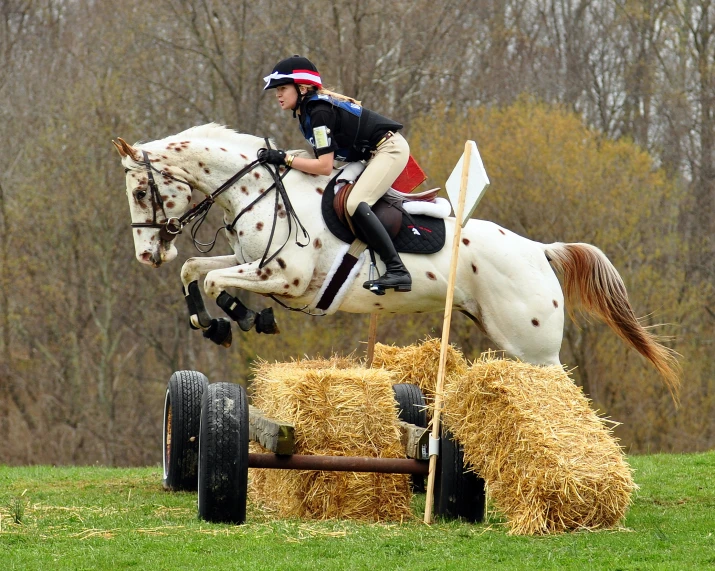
[419, 363]
[550, 463]
[338, 409]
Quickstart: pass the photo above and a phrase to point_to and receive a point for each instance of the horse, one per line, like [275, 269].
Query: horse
[505, 283]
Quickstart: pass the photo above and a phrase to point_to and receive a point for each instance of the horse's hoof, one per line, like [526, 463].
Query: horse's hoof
[266, 322]
[219, 332]
[228, 340]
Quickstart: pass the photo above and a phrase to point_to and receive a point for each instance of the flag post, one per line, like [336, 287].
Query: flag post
[459, 213]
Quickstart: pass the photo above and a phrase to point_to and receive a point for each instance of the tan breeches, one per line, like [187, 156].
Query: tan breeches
[389, 160]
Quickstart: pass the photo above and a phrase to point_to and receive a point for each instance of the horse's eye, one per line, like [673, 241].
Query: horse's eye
[140, 194]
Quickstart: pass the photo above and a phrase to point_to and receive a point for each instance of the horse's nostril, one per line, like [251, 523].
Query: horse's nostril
[146, 257]
[156, 259]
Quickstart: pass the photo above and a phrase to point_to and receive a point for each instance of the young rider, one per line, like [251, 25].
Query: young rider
[340, 129]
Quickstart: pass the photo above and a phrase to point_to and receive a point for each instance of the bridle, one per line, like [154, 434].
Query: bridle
[170, 228]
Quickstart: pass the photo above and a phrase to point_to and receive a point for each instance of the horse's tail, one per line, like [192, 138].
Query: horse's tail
[590, 277]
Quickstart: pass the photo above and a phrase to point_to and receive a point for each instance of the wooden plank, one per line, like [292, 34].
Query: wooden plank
[278, 437]
[415, 440]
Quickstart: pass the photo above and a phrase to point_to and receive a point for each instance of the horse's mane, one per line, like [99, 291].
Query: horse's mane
[207, 131]
[214, 132]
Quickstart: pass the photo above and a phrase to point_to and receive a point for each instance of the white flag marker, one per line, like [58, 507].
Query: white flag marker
[478, 182]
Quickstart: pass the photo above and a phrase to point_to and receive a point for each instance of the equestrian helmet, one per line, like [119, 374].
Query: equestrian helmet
[295, 69]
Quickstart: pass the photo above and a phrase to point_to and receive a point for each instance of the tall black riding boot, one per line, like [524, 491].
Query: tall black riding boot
[373, 232]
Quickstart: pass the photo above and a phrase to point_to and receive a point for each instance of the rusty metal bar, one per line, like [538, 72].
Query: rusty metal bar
[338, 463]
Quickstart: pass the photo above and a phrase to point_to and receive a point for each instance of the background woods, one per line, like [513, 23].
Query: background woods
[596, 120]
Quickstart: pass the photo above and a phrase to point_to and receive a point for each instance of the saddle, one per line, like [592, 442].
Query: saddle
[404, 216]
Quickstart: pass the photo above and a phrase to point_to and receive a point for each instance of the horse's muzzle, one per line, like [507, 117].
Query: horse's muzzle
[157, 256]
[152, 258]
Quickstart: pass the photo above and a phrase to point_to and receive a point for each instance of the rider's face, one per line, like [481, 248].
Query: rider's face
[287, 96]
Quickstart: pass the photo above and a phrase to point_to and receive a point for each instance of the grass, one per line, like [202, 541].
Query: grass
[101, 518]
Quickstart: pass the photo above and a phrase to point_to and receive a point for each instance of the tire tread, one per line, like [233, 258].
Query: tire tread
[185, 390]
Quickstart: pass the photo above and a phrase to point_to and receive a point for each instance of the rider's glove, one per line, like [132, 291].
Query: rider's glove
[272, 156]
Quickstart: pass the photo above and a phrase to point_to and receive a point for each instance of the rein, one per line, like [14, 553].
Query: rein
[170, 228]
[290, 211]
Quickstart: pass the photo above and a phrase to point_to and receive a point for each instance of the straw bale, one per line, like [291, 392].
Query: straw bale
[336, 411]
[551, 464]
[419, 363]
[334, 362]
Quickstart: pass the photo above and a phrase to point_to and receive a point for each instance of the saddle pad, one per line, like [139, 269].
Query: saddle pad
[418, 235]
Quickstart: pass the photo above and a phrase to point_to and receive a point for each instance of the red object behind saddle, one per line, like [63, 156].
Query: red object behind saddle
[410, 178]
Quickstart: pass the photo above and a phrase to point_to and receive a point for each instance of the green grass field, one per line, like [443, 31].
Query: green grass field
[102, 518]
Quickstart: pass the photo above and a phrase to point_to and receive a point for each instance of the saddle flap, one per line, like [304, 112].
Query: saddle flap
[390, 216]
[419, 234]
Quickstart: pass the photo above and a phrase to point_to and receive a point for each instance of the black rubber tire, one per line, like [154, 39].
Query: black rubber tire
[411, 404]
[180, 434]
[223, 454]
[458, 493]
[412, 408]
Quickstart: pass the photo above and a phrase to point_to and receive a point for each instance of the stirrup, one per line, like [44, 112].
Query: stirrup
[374, 287]
[371, 283]
[378, 287]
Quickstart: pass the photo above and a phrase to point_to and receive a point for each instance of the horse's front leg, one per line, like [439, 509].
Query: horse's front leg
[277, 278]
[218, 330]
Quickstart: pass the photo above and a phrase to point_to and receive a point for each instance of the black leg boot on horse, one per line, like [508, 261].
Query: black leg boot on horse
[374, 234]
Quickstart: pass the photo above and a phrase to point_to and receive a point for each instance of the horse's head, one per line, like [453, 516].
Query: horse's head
[157, 198]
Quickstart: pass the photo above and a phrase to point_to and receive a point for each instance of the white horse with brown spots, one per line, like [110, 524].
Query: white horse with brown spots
[282, 247]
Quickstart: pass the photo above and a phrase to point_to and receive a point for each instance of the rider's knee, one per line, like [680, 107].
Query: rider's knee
[353, 202]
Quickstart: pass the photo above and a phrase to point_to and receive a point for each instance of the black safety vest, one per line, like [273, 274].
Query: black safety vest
[362, 141]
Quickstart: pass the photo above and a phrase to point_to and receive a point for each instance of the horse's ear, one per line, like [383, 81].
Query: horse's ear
[125, 149]
[119, 148]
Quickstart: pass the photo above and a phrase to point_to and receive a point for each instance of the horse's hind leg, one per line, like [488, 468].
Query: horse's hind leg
[532, 337]
[519, 303]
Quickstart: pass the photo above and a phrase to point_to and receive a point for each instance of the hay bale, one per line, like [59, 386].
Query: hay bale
[337, 409]
[419, 363]
[550, 463]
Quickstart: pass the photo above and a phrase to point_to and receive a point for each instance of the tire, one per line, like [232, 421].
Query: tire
[180, 435]
[411, 403]
[458, 493]
[412, 408]
[223, 454]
